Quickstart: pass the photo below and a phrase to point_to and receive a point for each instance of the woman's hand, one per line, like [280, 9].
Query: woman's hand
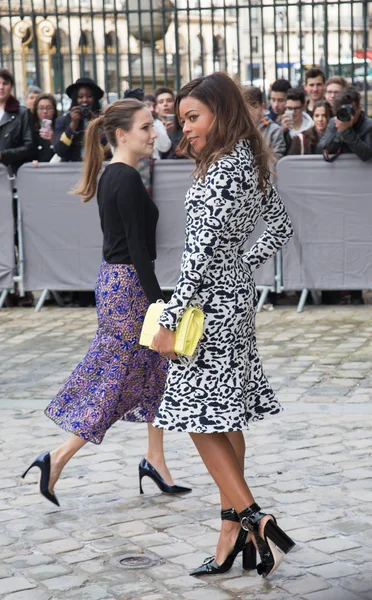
[46, 133]
[76, 117]
[164, 342]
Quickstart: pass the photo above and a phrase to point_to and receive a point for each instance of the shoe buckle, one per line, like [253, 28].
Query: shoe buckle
[246, 524]
[208, 560]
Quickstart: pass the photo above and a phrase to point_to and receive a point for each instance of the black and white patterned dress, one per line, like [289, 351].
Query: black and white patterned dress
[223, 386]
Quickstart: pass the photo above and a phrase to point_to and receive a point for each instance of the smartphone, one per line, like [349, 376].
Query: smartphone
[46, 124]
[169, 118]
[289, 113]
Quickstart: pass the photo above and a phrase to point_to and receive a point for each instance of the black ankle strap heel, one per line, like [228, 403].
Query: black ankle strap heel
[272, 536]
[229, 514]
[250, 521]
[248, 550]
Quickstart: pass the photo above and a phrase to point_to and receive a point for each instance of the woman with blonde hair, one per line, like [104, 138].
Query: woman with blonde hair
[118, 378]
[222, 388]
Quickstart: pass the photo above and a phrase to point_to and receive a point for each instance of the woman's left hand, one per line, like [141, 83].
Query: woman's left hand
[164, 342]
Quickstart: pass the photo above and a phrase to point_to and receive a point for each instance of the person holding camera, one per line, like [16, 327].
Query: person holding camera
[350, 131]
[70, 128]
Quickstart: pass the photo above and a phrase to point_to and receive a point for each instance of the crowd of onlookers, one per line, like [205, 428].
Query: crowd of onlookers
[322, 117]
[35, 132]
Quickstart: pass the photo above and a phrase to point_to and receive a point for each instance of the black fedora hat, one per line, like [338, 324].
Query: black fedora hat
[84, 82]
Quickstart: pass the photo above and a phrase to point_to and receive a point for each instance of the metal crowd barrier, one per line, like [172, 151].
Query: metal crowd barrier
[7, 246]
[331, 210]
[329, 205]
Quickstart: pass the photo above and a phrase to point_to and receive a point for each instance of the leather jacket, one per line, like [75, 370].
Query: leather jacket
[16, 144]
[357, 140]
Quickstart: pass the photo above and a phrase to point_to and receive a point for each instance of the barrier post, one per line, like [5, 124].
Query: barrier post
[20, 256]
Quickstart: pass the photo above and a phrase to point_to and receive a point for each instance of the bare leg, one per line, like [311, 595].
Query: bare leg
[155, 453]
[229, 529]
[60, 457]
[237, 441]
[219, 456]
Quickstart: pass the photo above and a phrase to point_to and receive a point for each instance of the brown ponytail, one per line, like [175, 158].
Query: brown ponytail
[118, 115]
[93, 159]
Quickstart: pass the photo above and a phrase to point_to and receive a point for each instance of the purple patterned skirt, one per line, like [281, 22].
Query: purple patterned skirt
[118, 378]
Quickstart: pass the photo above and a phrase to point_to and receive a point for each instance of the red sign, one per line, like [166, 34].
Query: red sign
[361, 54]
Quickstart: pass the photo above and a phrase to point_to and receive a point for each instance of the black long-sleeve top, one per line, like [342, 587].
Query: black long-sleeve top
[128, 220]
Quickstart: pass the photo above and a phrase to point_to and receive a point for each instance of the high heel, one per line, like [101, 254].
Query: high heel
[273, 537]
[211, 567]
[145, 469]
[43, 462]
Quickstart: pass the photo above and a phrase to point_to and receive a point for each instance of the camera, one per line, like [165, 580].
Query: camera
[86, 111]
[345, 113]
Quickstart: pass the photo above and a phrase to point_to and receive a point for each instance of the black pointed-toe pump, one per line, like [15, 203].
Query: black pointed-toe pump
[242, 544]
[273, 537]
[145, 469]
[43, 462]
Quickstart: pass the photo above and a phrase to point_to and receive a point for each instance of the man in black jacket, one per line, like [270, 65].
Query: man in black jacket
[351, 136]
[16, 146]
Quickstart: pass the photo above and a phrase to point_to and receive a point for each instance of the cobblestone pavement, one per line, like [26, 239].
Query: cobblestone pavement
[311, 467]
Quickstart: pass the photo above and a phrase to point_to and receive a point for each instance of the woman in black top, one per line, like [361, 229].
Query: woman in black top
[118, 378]
[43, 120]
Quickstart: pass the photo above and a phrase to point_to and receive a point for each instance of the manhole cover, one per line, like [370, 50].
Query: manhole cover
[138, 561]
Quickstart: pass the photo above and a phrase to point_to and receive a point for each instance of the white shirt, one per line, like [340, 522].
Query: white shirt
[162, 142]
[2, 112]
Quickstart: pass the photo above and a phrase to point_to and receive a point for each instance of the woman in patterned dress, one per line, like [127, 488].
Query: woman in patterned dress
[216, 393]
[118, 378]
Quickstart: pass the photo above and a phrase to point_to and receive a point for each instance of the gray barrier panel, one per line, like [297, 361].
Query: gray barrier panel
[61, 235]
[171, 181]
[63, 239]
[330, 205]
[6, 232]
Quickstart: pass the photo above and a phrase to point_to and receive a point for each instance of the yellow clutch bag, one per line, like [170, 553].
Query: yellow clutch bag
[188, 332]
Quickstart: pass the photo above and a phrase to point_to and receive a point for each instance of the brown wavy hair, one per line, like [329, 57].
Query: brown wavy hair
[232, 122]
[118, 115]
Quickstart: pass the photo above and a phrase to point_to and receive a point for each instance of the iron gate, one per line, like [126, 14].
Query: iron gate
[146, 43]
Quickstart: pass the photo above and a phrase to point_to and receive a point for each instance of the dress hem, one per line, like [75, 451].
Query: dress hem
[97, 440]
[245, 427]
